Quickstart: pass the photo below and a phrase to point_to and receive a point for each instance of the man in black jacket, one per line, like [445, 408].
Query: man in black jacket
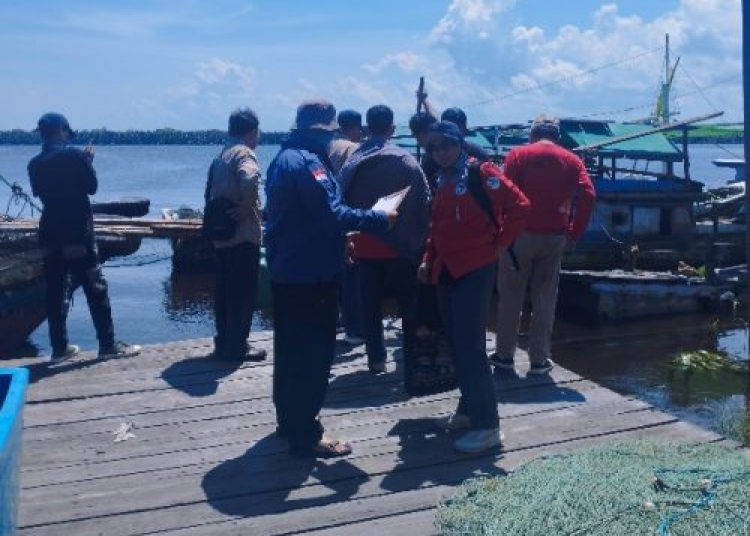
[63, 177]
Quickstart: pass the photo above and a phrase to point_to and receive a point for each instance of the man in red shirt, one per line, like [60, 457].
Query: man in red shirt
[561, 194]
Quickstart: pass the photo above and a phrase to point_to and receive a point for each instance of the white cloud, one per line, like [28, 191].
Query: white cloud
[405, 61]
[609, 62]
[473, 17]
[217, 78]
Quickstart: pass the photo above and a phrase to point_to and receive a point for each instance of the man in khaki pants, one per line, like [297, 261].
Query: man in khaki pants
[561, 195]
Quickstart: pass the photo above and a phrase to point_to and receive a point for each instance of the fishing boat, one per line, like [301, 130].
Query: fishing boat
[22, 307]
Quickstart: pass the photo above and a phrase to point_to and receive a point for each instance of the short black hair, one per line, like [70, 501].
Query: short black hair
[349, 119]
[456, 116]
[379, 119]
[420, 122]
[242, 121]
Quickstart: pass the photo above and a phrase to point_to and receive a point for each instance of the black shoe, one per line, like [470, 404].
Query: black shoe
[377, 368]
[255, 354]
[502, 363]
[541, 368]
[119, 349]
[69, 352]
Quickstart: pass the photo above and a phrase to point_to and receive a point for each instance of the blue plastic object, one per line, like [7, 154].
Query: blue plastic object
[13, 383]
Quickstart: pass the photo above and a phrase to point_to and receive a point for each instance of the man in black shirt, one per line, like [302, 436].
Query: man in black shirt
[63, 177]
[458, 117]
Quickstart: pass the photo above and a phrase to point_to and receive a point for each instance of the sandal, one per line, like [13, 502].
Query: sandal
[331, 448]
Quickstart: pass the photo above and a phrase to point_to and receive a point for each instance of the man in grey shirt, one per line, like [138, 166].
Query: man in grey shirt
[235, 175]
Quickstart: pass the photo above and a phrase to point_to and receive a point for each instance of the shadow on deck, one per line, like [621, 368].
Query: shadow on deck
[204, 460]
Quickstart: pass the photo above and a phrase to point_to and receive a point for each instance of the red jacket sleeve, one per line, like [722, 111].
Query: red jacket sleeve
[584, 202]
[509, 204]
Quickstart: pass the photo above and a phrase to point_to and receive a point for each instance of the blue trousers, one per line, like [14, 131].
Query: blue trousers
[304, 343]
[464, 306]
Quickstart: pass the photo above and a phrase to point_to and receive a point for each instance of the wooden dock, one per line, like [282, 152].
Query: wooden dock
[203, 459]
[119, 227]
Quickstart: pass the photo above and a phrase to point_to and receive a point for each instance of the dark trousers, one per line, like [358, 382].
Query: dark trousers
[399, 276]
[464, 305]
[351, 300]
[304, 340]
[234, 299]
[60, 271]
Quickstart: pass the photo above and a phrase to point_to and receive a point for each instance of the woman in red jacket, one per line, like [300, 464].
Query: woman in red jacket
[471, 224]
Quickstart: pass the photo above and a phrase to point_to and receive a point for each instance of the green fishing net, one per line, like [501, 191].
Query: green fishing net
[618, 489]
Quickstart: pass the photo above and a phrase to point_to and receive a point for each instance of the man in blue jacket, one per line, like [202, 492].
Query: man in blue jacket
[306, 224]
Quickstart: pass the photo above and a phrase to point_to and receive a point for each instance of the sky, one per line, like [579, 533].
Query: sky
[186, 64]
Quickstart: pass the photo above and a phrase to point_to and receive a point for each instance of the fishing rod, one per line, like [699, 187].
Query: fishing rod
[18, 195]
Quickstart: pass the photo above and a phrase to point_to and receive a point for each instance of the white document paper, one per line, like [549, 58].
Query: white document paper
[391, 202]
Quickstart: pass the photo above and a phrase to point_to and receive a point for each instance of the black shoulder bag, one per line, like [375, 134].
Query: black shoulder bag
[217, 223]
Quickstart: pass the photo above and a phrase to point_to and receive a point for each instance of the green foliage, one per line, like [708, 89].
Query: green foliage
[709, 134]
[732, 419]
[616, 489]
[706, 360]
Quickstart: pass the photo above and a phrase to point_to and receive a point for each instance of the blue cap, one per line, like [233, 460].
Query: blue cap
[446, 129]
[51, 122]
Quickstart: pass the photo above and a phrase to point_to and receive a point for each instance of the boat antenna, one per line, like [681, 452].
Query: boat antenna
[663, 113]
[421, 96]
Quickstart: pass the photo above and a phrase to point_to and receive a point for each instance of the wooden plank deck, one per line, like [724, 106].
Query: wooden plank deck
[204, 460]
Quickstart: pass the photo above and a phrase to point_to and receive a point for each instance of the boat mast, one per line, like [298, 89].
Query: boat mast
[663, 111]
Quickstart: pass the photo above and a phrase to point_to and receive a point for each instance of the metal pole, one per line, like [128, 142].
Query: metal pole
[746, 114]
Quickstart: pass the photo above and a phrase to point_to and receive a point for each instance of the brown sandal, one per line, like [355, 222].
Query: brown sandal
[331, 448]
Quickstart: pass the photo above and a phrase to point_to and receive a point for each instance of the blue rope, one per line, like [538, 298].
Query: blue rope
[708, 493]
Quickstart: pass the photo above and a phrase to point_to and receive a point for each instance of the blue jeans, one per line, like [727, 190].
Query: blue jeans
[464, 305]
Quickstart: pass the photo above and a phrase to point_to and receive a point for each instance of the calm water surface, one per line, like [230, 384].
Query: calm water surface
[152, 305]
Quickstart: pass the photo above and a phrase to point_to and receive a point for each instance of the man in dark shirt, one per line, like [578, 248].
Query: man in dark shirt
[458, 117]
[63, 177]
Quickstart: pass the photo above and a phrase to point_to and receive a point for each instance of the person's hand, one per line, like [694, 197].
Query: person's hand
[349, 248]
[423, 273]
[89, 152]
[392, 218]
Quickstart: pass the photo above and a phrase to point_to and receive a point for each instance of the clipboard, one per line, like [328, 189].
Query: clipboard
[391, 202]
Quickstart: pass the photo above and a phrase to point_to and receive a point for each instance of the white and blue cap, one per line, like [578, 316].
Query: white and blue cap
[50, 123]
[545, 126]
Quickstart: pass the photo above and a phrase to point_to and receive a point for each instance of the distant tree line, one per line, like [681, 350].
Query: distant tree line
[162, 136]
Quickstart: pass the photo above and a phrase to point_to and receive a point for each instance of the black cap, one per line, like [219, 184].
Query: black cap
[454, 115]
[50, 123]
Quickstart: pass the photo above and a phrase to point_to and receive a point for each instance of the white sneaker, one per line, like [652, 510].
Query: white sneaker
[454, 421]
[119, 349]
[479, 440]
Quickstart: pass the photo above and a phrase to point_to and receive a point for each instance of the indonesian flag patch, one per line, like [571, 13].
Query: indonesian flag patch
[319, 173]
